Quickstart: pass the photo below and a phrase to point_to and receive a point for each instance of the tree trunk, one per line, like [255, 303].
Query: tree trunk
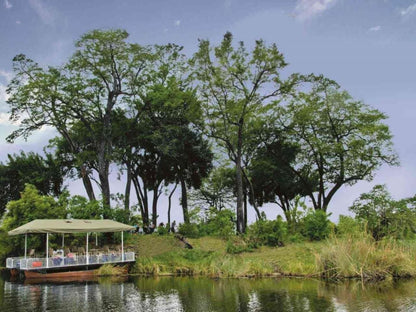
[245, 209]
[170, 204]
[154, 206]
[143, 204]
[87, 183]
[128, 188]
[105, 187]
[239, 180]
[184, 201]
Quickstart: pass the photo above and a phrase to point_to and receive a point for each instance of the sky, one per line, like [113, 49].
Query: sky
[367, 46]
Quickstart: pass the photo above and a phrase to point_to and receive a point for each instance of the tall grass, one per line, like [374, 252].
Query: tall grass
[359, 255]
[111, 270]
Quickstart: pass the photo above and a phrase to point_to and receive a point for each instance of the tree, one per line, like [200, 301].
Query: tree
[29, 207]
[340, 141]
[272, 178]
[216, 191]
[105, 72]
[385, 216]
[44, 173]
[235, 87]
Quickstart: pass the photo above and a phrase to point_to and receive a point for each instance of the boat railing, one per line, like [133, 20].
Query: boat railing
[68, 261]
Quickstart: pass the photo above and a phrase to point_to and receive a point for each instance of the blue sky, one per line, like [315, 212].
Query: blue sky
[367, 46]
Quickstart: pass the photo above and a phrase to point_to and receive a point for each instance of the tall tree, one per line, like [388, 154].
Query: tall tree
[216, 191]
[104, 73]
[44, 173]
[340, 141]
[236, 88]
[273, 179]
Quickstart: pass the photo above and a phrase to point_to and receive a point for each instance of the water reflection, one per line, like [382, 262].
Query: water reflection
[200, 294]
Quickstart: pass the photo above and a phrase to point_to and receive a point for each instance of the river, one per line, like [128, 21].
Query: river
[202, 294]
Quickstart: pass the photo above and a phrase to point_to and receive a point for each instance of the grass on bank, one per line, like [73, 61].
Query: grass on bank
[346, 257]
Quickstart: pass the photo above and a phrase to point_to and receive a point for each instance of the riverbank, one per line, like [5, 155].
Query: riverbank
[335, 258]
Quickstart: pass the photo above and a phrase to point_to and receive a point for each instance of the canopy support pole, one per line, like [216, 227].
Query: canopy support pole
[88, 260]
[63, 240]
[25, 245]
[122, 247]
[96, 240]
[47, 250]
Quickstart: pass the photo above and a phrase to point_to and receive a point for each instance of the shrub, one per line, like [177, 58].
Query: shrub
[236, 245]
[189, 230]
[220, 223]
[317, 225]
[348, 226]
[268, 232]
[162, 230]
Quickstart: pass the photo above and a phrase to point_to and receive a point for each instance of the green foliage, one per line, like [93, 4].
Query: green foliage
[219, 223]
[234, 85]
[29, 207]
[340, 140]
[188, 230]
[385, 216]
[216, 190]
[349, 226]
[317, 225]
[45, 173]
[267, 232]
[236, 245]
[32, 206]
[162, 230]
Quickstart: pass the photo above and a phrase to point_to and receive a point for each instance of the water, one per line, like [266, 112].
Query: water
[201, 294]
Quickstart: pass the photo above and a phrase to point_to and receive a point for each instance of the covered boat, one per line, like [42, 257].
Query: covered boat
[61, 264]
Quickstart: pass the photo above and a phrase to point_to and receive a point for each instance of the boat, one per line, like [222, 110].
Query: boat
[69, 265]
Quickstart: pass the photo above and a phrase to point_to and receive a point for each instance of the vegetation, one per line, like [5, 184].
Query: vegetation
[226, 129]
[111, 270]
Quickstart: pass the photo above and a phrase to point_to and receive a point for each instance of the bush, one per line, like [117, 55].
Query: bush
[162, 230]
[317, 225]
[268, 232]
[220, 223]
[236, 245]
[348, 226]
[189, 230]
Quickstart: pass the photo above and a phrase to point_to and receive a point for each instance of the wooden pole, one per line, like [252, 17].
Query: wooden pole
[47, 250]
[88, 260]
[25, 245]
[122, 247]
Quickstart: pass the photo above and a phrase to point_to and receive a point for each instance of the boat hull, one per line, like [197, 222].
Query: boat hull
[67, 272]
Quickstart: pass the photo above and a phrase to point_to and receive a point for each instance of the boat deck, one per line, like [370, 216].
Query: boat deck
[22, 263]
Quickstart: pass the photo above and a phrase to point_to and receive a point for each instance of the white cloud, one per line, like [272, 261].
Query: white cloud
[177, 23]
[408, 11]
[4, 118]
[7, 75]
[3, 95]
[7, 4]
[307, 9]
[46, 15]
[374, 28]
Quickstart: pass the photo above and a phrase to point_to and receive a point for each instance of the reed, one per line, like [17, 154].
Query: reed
[111, 270]
[363, 257]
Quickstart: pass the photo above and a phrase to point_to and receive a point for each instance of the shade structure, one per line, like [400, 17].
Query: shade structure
[70, 226]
